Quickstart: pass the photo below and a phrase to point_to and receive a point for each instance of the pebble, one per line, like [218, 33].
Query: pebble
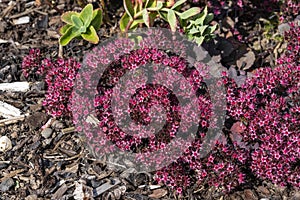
[6, 184]
[31, 197]
[5, 144]
[46, 133]
[57, 125]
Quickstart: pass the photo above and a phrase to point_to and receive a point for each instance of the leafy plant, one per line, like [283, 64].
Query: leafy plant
[198, 29]
[146, 11]
[81, 25]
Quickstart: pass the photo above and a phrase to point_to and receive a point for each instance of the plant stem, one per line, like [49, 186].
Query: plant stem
[128, 25]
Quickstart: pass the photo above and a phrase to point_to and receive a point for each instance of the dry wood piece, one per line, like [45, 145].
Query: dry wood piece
[11, 174]
[3, 41]
[14, 87]
[82, 191]
[68, 130]
[21, 20]
[106, 186]
[8, 111]
[60, 192]
[24, 13]
[115, 194]
[7, 10]
[12, 120]
[159, 193]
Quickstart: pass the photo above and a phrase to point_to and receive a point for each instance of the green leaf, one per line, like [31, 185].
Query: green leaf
[200, 21]
[136, 22]
[125, 20]
[91, 35]
[213, 28]
[172, 20]
[146, 17]
[157, 8]
[64, 29]
[71, 33]
[86, 15]
[152, 17]
[76, 21]
[163, 15]
[202, 29]
[178, 3]
[66, 17]
[194, 30]
[205, 10]
[97, 19]
[129, 8]
[209, 18]
[165, 9]
[151, 4]
[190, 12]
[199, 40]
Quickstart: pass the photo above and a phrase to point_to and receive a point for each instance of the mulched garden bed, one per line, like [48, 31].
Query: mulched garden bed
[53, 163]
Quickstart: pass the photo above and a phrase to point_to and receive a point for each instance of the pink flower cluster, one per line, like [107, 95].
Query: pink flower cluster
[59, 76]
[265, 108]
[31, 64]
[290, 9]
[60, 81]
[268, 105]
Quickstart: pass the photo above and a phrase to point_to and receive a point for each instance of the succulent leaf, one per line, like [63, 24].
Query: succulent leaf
[172, 20]
[146, 18]
[91, 35]
[64, 29]
[190, 12]
[70, 34]
[97, 19]
[66, 17]
[124, 21]
[77, 21]
[178, 3]
[129, 8]
[86, 15]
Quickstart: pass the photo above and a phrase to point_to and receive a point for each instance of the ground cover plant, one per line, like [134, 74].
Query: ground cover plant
[256, 47]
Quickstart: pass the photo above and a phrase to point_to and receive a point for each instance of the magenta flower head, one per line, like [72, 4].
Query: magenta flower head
[147, 98]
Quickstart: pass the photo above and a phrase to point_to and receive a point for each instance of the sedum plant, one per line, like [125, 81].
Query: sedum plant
[198, 28]
[81, 25]
[146, 11]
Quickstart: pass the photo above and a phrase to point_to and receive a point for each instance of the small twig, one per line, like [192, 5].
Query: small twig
[24, 13]
[4, 162]
[12, 120]
[68, 130]
[41, 12]
[7, 10]
[60, 51]
[12, 174]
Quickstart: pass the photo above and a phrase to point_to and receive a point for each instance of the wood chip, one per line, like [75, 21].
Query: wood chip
[82, 192]
[3, 41]
[158, 193]
[12, 174]
[106, 186]
[21, 20]
[12, 120]
[23, 13]
[246, 61]
[60, 192]
[8, 111]
[14, 87]
[8, 9]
